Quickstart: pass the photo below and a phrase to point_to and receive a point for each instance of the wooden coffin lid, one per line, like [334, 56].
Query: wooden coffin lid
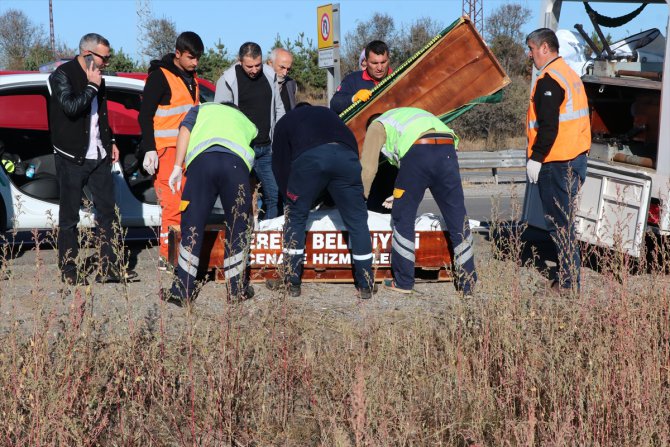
[455, 68]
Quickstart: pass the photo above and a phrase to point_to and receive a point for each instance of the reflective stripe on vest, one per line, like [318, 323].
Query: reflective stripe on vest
[218, 124]
[574, 126]
[178, 110]
[404, 126]
[168, 117]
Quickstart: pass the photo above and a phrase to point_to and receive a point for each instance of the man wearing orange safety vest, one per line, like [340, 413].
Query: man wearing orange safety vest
[559, 138]
[169, 93]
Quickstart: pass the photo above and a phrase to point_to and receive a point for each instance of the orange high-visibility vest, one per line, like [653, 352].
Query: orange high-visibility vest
[168, 117]
[574, 125]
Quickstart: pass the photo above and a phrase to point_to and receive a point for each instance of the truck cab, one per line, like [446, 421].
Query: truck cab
[627, 189]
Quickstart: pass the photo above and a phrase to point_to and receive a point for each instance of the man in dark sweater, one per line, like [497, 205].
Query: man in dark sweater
[312, 151]
[252, 86]
[169, 93]
[85, 149]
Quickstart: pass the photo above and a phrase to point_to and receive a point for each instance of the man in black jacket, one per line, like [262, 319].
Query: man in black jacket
[84, 148]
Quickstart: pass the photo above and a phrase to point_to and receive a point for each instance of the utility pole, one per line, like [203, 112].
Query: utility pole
[52, 36]
[475, 9]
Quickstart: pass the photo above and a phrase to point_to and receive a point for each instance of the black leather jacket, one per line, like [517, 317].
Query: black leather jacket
[70, 112]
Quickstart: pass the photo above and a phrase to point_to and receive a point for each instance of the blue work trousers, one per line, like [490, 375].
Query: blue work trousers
[432, 166]
[269, 188]
[212, 175]
[336, 168]
[558, 184]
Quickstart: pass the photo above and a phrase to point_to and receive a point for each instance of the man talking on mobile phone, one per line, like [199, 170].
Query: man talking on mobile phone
[85, 149]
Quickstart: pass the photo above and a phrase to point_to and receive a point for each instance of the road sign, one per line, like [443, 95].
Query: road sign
[324, 15]
[326, 58]
[328, 36]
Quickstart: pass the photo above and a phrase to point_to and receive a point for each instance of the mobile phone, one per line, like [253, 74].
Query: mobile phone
[90, 63]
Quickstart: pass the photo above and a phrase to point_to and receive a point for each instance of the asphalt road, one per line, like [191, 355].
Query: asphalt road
[486, 202]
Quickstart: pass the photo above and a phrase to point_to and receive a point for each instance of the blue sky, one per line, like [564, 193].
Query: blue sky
[235, 22]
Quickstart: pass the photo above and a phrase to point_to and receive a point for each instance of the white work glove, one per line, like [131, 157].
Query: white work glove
[533, 170]
[175, 179]
[150, 162]
[388, 203]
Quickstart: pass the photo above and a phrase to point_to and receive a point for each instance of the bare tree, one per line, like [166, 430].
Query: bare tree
[402, 44]
[505, 36]
[412, 38]
[379, 27]
[160, 37]
[18, 35]
[508, 20]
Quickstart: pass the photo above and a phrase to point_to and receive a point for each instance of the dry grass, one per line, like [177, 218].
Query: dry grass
[509, 367]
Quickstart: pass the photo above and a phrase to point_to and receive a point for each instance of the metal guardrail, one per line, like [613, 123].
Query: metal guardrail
[511, 158]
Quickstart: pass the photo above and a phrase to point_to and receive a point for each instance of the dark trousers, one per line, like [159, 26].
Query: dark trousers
[558, 184]
[434, 167]
[212, 175]
[337, 169]
[72, 178]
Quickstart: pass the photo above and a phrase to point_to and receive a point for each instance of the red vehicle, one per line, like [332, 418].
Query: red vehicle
[124, 120]
[27, 202]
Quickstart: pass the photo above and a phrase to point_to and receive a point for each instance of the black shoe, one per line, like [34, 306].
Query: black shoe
[366, 293]
[294, 290]
[113, 276]
[170, 298]
[71, 278]
[247, 293]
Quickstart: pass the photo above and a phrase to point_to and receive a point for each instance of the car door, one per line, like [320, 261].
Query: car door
[29, 201]
[134, 192]
[32, 202]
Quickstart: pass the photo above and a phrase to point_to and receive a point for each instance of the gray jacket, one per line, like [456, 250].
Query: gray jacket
[226, 91]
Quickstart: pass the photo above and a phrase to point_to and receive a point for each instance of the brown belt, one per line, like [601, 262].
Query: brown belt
[435, 140]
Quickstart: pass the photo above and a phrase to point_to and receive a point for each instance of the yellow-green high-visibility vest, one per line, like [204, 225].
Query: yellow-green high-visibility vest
[225, 126]
[404, 126]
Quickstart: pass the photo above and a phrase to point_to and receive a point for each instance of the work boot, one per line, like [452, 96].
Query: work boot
[166, 295]
[365, 293]
[247, 293]
[390, 284]
[280, 284]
